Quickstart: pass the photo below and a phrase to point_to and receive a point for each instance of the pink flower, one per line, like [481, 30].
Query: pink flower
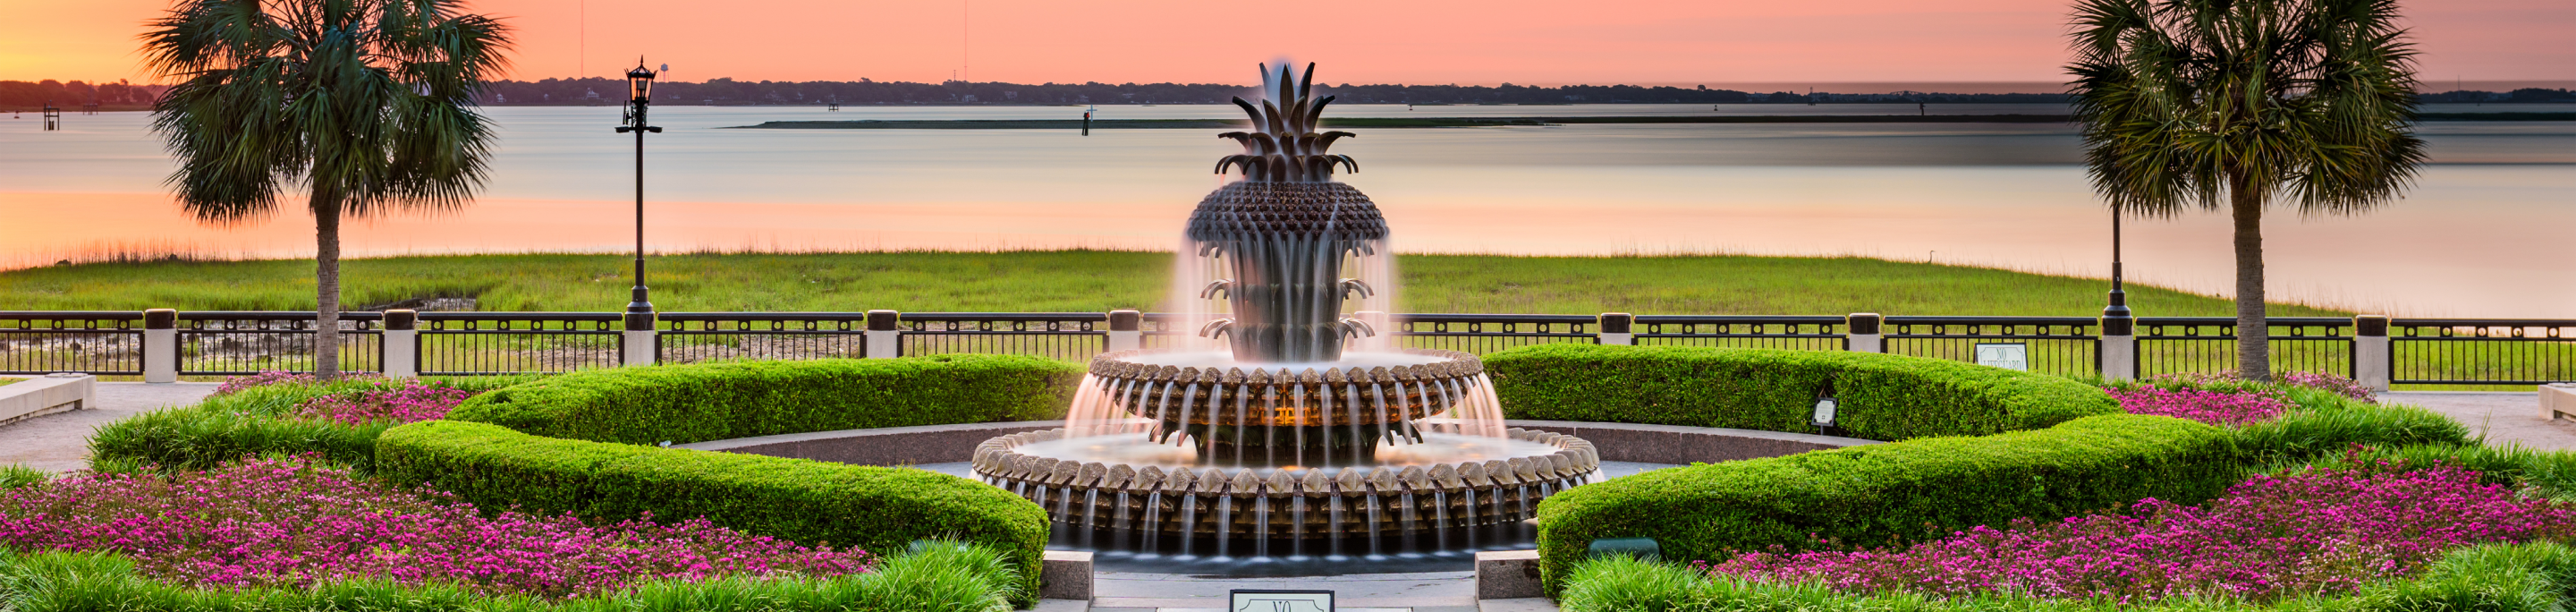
[2323, 531]
[2213, 407]
[293, 523]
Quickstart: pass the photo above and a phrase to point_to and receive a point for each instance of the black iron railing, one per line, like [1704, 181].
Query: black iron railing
[691, 337]
[2400, 351]
[233, 343]
[2176, 345]
[97, 342]
[2481, 351]
[2065, 346]
[1070, 336]
[1483, 333]
[1808, 333]
[469, 343]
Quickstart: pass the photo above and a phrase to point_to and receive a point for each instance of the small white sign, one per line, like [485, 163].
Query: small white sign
[2010, 356]
[1265, 600]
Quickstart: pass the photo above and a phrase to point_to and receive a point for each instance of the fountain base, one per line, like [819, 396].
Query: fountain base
[1288, 502]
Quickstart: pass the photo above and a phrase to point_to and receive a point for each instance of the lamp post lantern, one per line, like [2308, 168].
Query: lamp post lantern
[639, 87]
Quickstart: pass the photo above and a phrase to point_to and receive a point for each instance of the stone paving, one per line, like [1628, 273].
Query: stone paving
[2504, 418]
[60, 442]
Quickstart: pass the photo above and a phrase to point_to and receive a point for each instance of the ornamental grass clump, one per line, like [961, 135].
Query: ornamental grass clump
[296, 523]
[2207, 406]
[2312, 531]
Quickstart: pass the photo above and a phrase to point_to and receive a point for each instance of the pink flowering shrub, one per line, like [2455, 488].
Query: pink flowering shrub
[2207, 406]
[290, 522]
[272, 377]
[404, 402]
[2217, 381]
[2312, 531]
[2331, 383]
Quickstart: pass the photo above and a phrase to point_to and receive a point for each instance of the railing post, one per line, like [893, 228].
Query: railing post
[2370, 351]
[161, 345]
[401, 343]
[885, 341]
[1126, 330]
[643, 344]
[1618, 329]
[2119, 348]
[1861, 333]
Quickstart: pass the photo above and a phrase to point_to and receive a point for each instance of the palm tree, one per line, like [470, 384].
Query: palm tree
[2296, 101]
[367, 105]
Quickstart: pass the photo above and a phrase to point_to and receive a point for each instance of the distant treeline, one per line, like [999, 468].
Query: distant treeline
[729, 91]
[73, 95]
[732, 92]
[601, 91]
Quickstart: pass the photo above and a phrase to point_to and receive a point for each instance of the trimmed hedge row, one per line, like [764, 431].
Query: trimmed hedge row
[252, 421]
[1891, 493]
[694, 403]
[878, 509]
[580, 443]
[1878, 397]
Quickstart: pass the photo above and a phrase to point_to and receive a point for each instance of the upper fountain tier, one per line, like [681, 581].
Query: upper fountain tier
[1282, 232]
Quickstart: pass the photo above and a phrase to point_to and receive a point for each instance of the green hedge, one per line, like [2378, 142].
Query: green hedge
[934, 579]
[878, 509]
[1892, 493]
[2529, 577]
[1879, 397]
[583, 443]
[695, 403]
[254, 421]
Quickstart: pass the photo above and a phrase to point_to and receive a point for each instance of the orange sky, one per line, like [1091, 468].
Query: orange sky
[1409, 41]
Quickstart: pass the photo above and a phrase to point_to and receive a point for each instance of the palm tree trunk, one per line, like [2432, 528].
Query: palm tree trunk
[326, 286]
[2253, 334]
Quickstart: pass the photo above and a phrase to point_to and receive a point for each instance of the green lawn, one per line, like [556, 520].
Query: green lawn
[1090, 281]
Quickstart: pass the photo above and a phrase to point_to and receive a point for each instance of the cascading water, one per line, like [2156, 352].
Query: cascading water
[1293, 415]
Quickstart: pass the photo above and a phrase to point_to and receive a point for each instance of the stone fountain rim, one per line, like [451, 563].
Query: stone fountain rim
[1455, 364]
[956, 443]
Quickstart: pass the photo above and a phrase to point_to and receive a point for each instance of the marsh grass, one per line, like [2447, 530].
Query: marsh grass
[1087, 281]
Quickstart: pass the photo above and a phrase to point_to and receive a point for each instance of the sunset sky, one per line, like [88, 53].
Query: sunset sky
[1408, 41]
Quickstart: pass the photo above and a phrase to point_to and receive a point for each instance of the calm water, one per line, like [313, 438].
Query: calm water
[2484, 233]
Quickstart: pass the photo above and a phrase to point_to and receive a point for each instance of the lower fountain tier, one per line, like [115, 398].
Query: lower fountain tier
[1288, 503]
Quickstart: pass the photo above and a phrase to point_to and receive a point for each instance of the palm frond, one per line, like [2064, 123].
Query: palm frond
[2185, 102]
[366, 105]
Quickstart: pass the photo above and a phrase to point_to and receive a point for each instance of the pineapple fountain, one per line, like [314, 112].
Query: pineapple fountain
[1288, 428]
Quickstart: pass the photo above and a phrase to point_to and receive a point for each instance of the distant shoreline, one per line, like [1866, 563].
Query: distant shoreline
[1463, 122]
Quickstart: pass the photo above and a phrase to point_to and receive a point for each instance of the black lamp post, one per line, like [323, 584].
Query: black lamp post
[2119, 308]
[639, 82]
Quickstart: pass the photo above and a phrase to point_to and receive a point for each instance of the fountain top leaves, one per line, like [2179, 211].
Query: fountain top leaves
[1283, 145]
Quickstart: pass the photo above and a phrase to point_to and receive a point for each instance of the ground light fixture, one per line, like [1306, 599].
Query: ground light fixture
[639, 87]
[1824, 417]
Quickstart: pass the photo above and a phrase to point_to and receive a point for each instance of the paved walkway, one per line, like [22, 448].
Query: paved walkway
[2504, 418]
[60, 442]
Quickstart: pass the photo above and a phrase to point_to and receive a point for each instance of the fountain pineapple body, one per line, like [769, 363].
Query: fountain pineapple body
[1284, 231]
[1284, 244]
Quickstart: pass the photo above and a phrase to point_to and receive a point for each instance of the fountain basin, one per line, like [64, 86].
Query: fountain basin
[1285, 413]
[1426, 495]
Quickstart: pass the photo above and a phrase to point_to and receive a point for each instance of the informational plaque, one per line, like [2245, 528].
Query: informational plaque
[2007, 355]
[1265, 600]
